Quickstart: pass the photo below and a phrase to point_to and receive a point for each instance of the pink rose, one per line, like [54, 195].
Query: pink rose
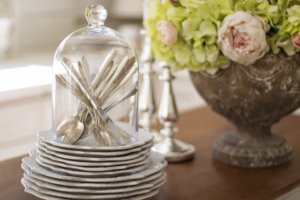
[239, 40]
[242, 38]
[167, 32]
[296, 41]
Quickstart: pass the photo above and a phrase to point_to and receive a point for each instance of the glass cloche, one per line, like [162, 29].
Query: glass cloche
[95, 83]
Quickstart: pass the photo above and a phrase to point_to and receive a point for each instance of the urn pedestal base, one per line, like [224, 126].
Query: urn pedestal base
[243, 151]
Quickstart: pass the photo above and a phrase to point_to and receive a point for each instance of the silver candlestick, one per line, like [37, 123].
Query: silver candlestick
[147, 103]
[174, 149]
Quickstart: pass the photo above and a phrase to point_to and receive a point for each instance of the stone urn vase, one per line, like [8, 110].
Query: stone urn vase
[253, 98]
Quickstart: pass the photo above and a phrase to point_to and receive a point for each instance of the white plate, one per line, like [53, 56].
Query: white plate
[123, 195]
[44, 185]
[90, 164]
[49, 197]
[90, 169]
[94, 153]
[95, 185]
[89, 142]
[43, 150]
[157, 164]
[92, 174]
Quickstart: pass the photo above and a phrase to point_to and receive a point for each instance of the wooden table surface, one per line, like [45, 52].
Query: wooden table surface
[201, 178]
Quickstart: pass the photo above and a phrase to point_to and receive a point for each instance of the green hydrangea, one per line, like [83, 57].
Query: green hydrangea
[288, 24]
[198, 22]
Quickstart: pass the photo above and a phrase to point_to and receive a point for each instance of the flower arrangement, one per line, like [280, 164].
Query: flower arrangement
[206, 35]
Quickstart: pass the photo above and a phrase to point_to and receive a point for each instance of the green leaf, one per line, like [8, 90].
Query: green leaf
[192, 3]
[189, 26]
[212, 53]
[200, 54]
[289, 48]
[208, 28]
[182, 55]
[294, 11]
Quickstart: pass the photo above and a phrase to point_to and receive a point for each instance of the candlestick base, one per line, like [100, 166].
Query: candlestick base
[175, 150]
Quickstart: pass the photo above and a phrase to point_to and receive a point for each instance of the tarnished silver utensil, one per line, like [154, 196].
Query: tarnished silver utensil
[70, 130]
[66, 126]
[128, 94]
[104, 127]
[112, 75]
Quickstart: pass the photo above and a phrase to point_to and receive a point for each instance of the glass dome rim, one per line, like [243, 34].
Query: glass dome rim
[115, 36]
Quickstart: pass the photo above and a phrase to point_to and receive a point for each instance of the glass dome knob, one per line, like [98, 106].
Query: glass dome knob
[95, 15]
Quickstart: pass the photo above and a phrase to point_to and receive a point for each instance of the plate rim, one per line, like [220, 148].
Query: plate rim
[142, 133]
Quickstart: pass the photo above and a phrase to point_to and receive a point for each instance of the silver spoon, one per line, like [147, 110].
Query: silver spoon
[70, 129]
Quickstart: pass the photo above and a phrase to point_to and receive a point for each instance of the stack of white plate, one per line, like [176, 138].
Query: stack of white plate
[55, 171]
